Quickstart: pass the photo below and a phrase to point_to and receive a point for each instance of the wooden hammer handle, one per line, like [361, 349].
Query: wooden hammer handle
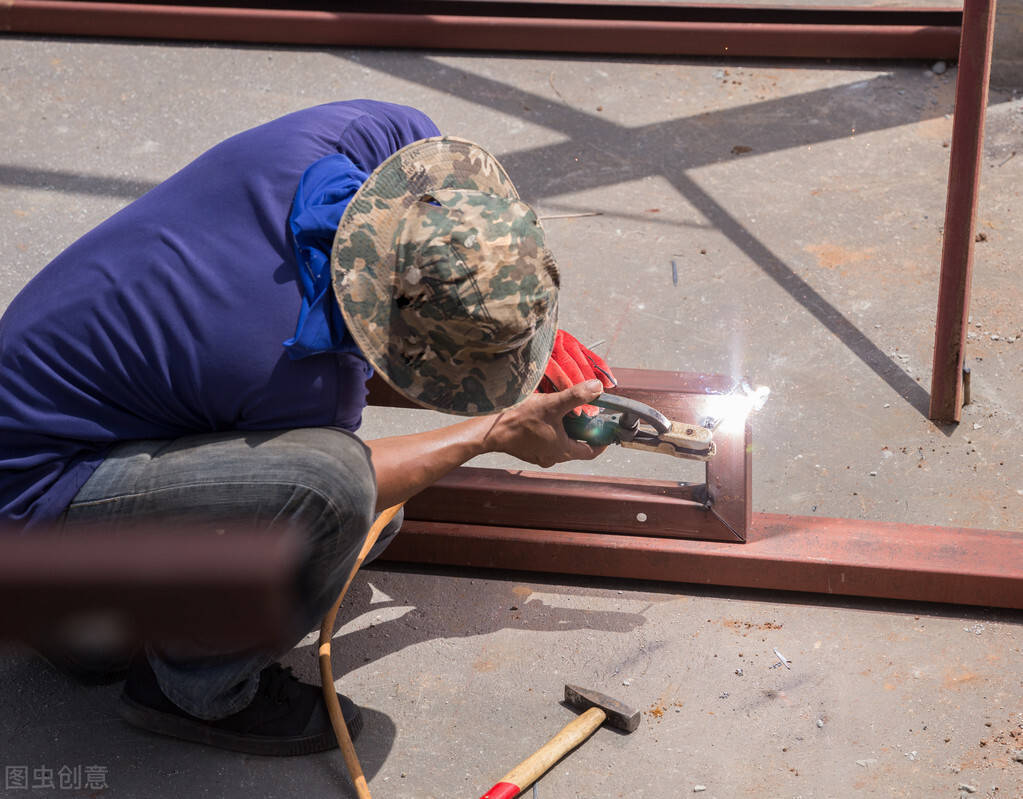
[527, 772]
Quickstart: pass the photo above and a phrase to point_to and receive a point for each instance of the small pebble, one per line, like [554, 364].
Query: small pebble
[820, 722]
[968, 788]
[699, 788]
[626, 682]
[873, 474]
[1018, 755]
[939, 67]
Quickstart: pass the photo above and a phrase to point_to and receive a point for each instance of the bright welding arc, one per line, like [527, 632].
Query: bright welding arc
[732, 409]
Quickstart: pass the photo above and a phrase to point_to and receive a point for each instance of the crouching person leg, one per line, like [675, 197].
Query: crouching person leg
[317, 483]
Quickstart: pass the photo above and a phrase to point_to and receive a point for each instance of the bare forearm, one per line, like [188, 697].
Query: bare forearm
[405, 465]
[532, 432]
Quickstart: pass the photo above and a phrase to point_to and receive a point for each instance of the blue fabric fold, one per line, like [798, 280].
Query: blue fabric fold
[323, 194]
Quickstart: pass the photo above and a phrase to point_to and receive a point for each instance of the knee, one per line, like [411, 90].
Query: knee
[334, 480]
[331, 505]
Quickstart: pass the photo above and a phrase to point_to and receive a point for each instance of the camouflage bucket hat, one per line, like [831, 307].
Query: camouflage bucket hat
[444, 281]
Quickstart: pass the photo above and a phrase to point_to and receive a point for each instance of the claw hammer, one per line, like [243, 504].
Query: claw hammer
[598, 709]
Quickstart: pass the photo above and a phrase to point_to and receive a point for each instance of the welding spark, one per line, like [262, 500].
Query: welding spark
[730, 410]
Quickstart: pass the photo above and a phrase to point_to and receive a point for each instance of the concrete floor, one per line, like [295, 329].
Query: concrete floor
[802, 203]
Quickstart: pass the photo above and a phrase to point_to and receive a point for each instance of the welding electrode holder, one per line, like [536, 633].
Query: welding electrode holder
[621, 424]
[635, 425]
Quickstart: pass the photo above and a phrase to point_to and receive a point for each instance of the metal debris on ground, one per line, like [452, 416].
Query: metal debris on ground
[570, 216]
[784, 660]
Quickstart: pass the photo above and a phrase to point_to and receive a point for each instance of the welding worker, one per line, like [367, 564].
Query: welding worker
[201, 358]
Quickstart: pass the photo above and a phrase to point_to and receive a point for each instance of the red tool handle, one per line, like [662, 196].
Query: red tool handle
[503, 790]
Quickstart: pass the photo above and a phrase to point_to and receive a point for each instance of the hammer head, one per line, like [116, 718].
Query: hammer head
[618, 715]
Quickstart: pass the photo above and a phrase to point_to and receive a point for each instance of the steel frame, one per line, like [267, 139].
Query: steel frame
[781, 552]
[718, 509]
[634, 28]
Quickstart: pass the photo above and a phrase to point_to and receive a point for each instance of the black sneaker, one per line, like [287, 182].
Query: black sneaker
[286, 717]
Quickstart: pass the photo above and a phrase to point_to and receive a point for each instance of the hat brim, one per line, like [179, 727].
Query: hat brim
[363, 266]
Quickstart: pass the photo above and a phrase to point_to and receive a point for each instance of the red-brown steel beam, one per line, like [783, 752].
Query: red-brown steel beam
[570, 502]
[790, 553]
[855, 33]
[961, 210]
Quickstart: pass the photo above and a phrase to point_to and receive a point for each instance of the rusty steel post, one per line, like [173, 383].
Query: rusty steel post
[961, 210]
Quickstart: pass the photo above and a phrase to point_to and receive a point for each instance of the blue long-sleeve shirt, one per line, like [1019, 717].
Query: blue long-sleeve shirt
[170, 318]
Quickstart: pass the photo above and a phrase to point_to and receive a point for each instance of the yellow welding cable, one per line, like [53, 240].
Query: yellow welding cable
[337, 720]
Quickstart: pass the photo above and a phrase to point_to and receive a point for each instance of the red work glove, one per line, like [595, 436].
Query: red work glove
[572, 363]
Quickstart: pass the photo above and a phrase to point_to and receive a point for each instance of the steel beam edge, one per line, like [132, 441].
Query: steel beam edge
[790, 553]
[497, 33]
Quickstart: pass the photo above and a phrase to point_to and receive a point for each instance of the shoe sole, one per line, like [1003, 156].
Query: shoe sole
[187, 730]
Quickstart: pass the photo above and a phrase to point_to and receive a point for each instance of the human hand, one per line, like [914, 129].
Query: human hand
[534, 431]
[571, 363]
